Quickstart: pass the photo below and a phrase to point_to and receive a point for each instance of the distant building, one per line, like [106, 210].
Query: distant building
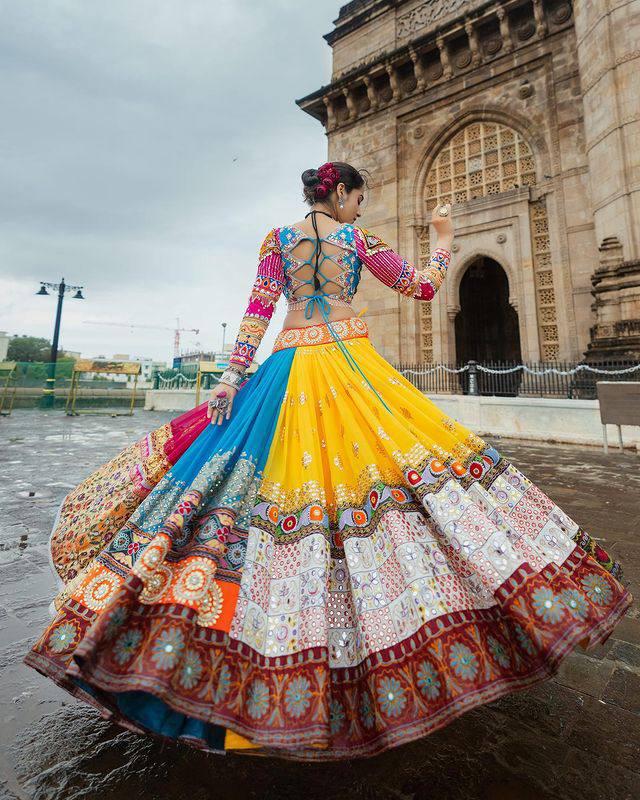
[218, 357]
[4, 345]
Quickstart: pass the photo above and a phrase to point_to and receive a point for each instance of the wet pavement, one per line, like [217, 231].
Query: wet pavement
[574, 736]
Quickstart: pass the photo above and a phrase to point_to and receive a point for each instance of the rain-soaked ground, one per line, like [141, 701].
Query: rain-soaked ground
[574, 736]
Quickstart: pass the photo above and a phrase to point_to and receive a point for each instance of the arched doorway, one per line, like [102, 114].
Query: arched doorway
[486, 327]
[485, 158]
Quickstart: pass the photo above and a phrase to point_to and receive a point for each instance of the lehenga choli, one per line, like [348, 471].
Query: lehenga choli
[337, 569]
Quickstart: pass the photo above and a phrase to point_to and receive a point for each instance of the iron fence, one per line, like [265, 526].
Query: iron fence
[567, 379]
[182, 378]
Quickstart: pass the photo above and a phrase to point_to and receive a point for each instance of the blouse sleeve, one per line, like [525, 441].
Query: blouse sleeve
[396, 272]
[266, 290]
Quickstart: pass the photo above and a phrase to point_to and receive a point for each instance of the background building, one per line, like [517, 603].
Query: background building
[4, 345]
[525, 115]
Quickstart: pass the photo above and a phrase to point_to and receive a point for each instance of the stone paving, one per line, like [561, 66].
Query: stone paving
[574, 736]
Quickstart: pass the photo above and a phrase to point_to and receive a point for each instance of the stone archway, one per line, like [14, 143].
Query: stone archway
[480, 159]
[486, 326]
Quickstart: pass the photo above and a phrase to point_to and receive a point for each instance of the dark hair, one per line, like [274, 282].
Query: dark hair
[349, 175]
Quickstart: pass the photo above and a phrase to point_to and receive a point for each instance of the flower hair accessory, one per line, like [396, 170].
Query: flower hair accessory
[329, 179]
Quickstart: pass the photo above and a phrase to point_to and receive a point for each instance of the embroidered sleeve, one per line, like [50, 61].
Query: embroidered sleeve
[267, 288]
[396, 272]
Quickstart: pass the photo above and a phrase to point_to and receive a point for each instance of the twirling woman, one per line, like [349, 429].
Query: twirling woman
[317, 563]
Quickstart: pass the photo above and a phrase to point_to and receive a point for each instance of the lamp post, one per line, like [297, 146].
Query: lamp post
[48, 393]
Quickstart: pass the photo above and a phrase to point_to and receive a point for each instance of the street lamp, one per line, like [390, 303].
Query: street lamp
[48, 393]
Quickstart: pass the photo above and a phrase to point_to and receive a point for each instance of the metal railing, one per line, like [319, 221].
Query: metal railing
[518, 379]
[490, 378]
[183, 378]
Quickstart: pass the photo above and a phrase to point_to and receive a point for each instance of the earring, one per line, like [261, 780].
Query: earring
[341, 203]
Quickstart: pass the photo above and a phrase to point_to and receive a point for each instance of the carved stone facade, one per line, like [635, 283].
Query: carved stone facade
[524, 115]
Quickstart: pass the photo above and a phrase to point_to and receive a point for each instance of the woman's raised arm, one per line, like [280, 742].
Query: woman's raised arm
[399, 274]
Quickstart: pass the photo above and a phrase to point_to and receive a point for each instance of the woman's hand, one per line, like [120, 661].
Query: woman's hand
[222, 390]
[443, 225]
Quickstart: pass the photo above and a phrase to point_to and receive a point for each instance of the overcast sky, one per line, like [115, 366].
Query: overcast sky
[147, 146]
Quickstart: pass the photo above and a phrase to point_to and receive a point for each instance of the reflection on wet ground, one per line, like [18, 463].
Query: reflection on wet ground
[577, 735]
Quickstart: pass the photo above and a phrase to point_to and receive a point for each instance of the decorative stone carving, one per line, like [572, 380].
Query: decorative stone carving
[331, 117]
[393, 81]
[351, 106]
[462, 59]
[505, 28]
[371, 93]
[525, 89]
[561, 13]
[418, 70]
[435, 71]
[484, 158]
[427, 14]
[501, 238]
[447, 70]
[492, 46]
[616, 292]
[541, 23]
[526, 30]
[544, 281]
[474, 47]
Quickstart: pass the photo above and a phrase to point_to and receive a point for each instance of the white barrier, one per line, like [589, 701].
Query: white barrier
[541, 419]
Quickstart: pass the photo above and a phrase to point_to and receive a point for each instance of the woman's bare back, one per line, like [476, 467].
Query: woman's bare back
[304, 250]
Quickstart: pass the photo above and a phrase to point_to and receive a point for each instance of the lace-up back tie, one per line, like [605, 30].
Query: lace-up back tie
[321, 299]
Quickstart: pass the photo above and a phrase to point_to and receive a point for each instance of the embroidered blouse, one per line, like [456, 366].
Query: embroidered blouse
[277, 275]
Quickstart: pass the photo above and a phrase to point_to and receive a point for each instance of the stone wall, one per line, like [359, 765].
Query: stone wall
[409, 77]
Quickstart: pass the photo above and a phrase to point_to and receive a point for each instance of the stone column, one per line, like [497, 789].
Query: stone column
[609, 61]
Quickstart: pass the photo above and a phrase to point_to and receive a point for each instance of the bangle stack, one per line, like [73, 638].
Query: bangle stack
[232, 376]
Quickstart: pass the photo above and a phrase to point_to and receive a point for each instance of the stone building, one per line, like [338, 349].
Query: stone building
[523, 114]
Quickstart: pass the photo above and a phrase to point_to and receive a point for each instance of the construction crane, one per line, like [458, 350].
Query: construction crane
[176, 330]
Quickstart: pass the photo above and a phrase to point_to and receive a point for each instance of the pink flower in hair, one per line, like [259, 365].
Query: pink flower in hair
[330, 177]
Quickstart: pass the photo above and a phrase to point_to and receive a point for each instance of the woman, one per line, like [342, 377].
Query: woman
[317, 563]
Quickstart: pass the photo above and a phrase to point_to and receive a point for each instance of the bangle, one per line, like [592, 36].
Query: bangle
[231, 377]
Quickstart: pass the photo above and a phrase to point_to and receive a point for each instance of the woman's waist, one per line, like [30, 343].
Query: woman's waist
[320, 332]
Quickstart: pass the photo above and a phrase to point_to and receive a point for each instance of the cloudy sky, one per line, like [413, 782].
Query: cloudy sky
[146, 148]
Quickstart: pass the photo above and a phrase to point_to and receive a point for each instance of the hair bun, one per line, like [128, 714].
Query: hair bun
[310, 177]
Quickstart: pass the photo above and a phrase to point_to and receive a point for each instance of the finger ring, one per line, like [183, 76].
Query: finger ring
[219, 402]
[443, 211]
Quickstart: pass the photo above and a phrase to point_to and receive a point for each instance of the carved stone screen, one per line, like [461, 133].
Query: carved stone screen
[483, 158]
